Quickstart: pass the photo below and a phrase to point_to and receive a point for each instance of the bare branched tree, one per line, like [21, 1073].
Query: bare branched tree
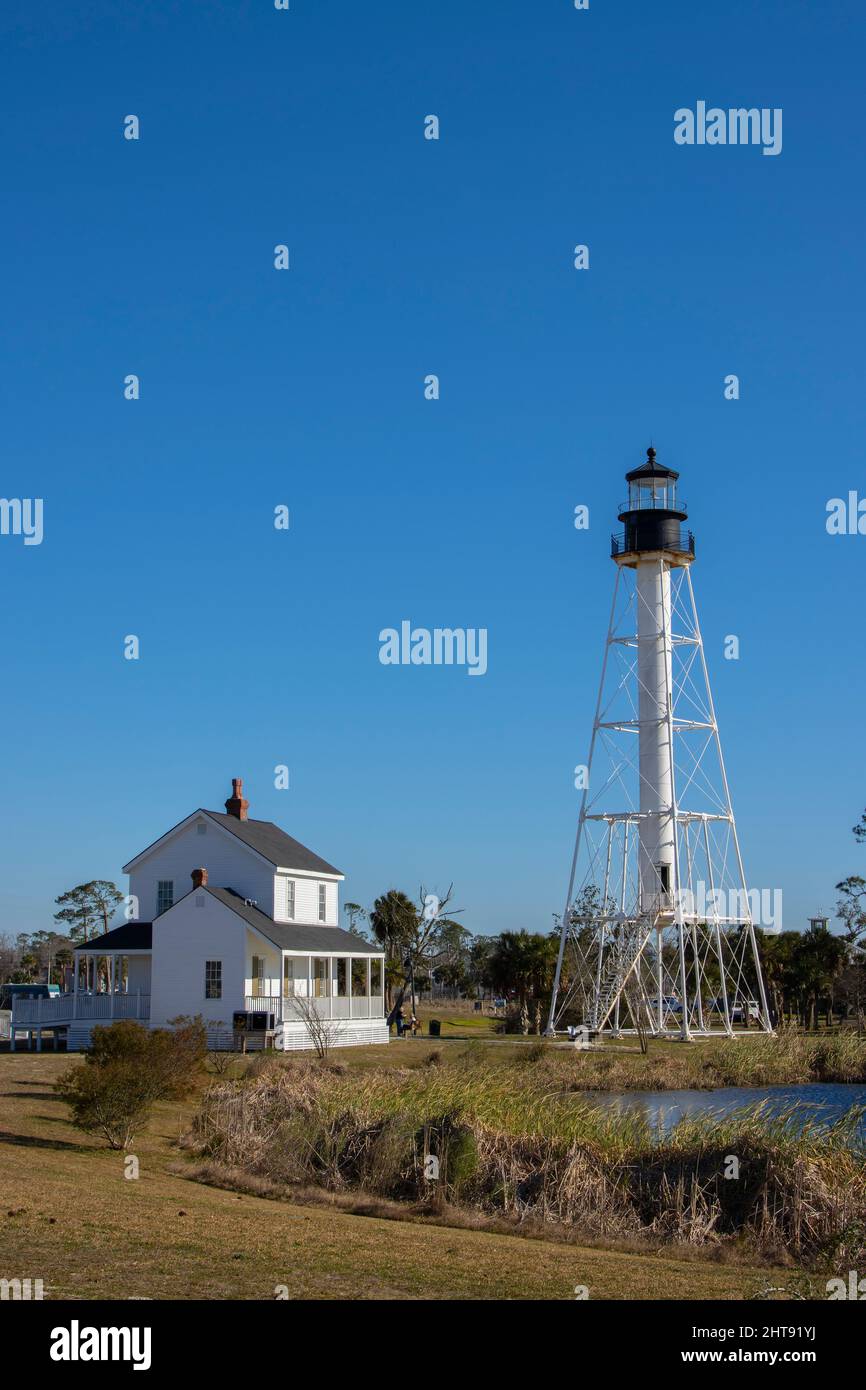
[422, 948]
[323, 1031]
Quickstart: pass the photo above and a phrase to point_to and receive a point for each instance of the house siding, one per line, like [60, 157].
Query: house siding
[138, 974]
[306, 900]
[272, 983]
[229, 862]
[183, 939]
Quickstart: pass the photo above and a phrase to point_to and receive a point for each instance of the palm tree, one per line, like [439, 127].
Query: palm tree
[818, 959]
[777, 952]
[523, 964]
[394, 923]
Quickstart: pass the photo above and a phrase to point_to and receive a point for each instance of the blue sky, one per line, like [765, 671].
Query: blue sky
[305, 388]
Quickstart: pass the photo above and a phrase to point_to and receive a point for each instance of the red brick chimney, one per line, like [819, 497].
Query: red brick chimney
[199, 878]
[236, 805]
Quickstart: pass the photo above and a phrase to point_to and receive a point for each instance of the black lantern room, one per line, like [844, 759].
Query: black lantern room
[653, 514]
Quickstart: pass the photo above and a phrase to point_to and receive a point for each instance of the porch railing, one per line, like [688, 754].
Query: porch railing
[61, 1009]
[329, 1006]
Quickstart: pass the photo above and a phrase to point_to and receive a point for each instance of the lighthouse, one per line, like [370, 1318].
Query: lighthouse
[658, 929]
[651, 544]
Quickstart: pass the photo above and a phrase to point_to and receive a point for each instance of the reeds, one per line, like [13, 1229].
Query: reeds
[513, 1140]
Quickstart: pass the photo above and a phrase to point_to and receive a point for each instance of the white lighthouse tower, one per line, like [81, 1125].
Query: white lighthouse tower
[658, 931]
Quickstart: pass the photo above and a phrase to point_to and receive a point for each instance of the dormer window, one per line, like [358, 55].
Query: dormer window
[322, 902]
[290, 897]
[164, 895]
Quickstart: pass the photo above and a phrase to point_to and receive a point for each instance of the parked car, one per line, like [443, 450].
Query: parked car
[737, 1009]
[670, 1004]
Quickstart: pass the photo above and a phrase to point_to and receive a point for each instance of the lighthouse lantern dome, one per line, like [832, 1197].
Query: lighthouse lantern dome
[652, 486]
[653, 516]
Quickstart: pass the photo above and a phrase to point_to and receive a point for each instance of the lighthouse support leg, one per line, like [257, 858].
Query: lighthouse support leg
[685, 1031]
[718, 933]
[699, 1002]
[602, 926]
[765, 1012]
[565, 925]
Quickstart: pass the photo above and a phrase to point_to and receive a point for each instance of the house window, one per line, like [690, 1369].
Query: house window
[320, 977]
[201, 828]
[164, 895]
[376, 978]
[341, 978]
[213, 979]
[288, 977]
[359, 978]
[258, 977]
[321, 902]
[290, 897]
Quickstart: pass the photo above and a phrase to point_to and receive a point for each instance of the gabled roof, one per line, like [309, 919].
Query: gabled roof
[128, 937]
[294, 936]
[274, 844]
[264, 838]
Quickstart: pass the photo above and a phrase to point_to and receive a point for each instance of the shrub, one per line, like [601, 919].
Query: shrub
[112, 1099]
[171, 1057]
[127, 1070]
[176, 1056]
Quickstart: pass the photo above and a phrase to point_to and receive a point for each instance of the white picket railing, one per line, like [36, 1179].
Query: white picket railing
[60, 1009]
[328, 1006]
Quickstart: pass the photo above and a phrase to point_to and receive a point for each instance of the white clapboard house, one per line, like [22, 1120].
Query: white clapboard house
[232, 918]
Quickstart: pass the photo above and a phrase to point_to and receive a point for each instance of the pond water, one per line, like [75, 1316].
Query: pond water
[663, 1109]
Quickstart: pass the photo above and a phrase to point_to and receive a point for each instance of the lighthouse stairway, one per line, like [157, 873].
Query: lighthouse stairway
[622, 959]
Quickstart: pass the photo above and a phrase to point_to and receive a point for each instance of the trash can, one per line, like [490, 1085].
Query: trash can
[434, 1028]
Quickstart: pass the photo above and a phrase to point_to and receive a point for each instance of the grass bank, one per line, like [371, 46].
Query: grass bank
[513, 1141]
[791, 1058]
[71, 1217]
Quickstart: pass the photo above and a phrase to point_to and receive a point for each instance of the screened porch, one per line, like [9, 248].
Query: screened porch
[338, 986]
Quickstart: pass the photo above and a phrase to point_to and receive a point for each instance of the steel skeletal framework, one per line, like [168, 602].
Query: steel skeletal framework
[658, 927]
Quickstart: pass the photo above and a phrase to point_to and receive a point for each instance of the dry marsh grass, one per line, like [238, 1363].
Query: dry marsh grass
[790, 1058]
[69, 1215]
[515, 1141]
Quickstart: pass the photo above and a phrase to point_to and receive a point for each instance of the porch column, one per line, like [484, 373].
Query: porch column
[369, 988]
[77, 967]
